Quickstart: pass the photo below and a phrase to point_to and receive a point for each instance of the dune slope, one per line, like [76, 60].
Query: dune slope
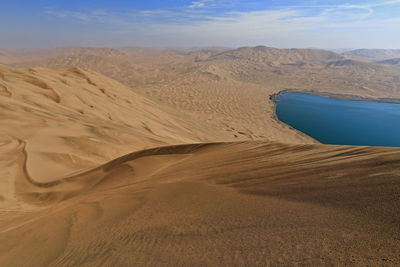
[251, 203]
[68, 119]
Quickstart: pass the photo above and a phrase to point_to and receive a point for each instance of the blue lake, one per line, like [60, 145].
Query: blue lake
[345, 122]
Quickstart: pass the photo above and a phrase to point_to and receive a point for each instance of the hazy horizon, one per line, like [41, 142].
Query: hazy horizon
[35, 48]
[182, 24]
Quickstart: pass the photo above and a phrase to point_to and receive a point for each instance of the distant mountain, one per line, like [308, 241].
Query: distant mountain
[12, 56]
[351, 62]
[132, 66]
[276, 57]
[307, 69]
[394, 61]
[375, 54]
[340, 50]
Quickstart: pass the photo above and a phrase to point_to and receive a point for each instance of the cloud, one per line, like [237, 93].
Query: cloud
[86, 17]
[204, 22]
[199, 4]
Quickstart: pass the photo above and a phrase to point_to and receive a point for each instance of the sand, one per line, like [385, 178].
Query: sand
[230, 89]
[213, 204]
[182, 162]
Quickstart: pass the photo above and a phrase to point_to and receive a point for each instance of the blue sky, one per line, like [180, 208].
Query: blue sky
[183, 23]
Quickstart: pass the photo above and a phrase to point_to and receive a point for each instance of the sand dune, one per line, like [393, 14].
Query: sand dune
[214, 204]
[69, 119]
[182, 162]
[217, 87]
[271, 69]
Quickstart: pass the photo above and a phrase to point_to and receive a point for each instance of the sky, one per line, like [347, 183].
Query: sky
[187, 23]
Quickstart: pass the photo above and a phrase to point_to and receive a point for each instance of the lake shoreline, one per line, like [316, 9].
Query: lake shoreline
[350, 97]
[334, 95]
[324, 114]
[272, 98]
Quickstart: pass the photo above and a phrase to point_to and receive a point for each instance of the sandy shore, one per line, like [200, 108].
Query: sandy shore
[337, 96]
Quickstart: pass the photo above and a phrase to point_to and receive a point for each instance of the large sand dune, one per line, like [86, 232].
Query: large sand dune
[215, 204]
[68, 119]
[190, 167]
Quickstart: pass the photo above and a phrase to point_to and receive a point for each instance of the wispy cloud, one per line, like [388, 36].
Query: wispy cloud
[86, 17]
[207, 21]
[199, 4]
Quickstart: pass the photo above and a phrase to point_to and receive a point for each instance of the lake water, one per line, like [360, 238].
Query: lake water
[344, 122]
